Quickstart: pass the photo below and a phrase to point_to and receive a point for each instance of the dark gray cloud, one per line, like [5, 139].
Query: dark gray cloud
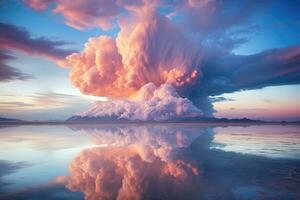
[243, 72]
[8, 73]
[225, 72]
[47, 192]
[16, 38]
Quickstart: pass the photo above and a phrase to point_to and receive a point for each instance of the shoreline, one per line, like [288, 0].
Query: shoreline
[36, 123]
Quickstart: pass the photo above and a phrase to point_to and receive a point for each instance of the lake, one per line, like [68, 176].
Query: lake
[150, 161]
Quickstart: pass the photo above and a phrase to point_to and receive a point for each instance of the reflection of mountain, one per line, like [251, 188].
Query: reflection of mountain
[174, 162]
[80, 118]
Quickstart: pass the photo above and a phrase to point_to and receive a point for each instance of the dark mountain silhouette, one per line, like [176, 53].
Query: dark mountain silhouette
[190, 119]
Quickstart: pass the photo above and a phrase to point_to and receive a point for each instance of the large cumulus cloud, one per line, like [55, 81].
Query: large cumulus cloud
[187, 45]
[149, 104]
[151, 49]
[147, 53]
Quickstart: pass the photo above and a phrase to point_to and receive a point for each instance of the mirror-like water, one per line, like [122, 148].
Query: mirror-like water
[154, 161]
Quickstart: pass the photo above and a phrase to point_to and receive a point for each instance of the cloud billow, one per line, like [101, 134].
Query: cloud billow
[151, 104]
[188, 48]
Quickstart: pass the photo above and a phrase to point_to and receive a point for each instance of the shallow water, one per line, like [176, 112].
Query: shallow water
[150, 162]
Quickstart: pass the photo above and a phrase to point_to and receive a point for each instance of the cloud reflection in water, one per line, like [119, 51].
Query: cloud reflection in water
[164, 161]
[174, 162]
[138, 162]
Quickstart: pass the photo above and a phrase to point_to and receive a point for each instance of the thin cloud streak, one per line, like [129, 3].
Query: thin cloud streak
[43, 105]
[9, 73]
[19, 39]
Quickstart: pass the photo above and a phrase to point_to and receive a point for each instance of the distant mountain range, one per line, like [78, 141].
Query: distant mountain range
[115, 119]
[190, 119]
[102, 120]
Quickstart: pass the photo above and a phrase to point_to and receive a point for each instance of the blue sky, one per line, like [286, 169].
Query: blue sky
[278, 26]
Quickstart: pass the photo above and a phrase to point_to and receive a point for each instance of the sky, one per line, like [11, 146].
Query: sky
[222, 58]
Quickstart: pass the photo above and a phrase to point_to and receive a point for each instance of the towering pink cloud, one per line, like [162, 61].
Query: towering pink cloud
[186, 45]
[151, 50]
[99, 64]
[154, 50]
[148, 53]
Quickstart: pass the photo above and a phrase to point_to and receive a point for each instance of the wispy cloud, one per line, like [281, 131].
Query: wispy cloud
[9, 73]
[19, 39]
[55, 100]
[15, 104]
[43, 105]
[220, 99]
[81, 14]
[14, 38]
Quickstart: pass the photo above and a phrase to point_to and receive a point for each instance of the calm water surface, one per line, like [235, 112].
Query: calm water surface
[149, 162]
